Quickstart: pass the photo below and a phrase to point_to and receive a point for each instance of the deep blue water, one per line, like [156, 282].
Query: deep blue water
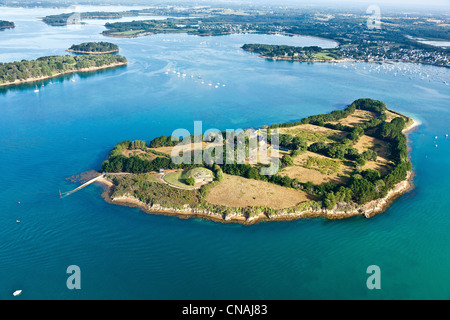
[123, 253]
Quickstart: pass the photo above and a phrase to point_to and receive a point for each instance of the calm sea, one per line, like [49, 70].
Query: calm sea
[70, 126]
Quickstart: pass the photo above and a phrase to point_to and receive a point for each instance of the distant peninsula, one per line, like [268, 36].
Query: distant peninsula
[351, 162]
[64, 19]
[6, 25]
[396, 39]
[14, 73]
[94, 48]
[304, 54]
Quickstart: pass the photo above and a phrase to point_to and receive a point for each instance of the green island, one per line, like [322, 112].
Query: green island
[350, 162]
[6, 25]
[101, 47]
[13, 73]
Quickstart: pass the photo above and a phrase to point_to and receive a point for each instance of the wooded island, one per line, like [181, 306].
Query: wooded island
[345, 163]
[52, 66]
[94, 48]
[6, 24]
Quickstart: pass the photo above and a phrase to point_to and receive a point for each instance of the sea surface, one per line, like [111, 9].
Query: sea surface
[71, 124]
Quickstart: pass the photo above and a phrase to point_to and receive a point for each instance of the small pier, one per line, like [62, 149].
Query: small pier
[65, 194]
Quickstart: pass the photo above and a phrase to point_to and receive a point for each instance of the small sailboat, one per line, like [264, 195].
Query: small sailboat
[36, 90]
[17, 292]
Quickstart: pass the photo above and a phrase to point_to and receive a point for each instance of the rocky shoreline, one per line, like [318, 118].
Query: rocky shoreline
[342, 211]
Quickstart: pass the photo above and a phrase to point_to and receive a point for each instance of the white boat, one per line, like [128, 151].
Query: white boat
[36, 90]
[17, 292]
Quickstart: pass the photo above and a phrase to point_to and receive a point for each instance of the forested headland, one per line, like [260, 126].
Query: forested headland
[52, 66]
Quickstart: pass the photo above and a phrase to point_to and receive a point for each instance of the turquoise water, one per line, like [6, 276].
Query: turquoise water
[123, 253]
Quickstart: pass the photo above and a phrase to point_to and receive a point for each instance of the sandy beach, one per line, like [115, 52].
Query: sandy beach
[415, 124]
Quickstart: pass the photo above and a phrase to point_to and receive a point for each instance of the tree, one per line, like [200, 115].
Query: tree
[329, 201]
[317, 147]
[360, 162]
[286, 181]
[336, 151]
[371, 175]
[363, 190]
[287, 160]
[190, 181]
[298, 143]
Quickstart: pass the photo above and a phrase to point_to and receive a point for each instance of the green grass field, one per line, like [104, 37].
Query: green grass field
[323, 165]
[178, 178]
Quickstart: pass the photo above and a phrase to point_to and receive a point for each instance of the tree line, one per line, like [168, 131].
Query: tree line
[95, 47]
